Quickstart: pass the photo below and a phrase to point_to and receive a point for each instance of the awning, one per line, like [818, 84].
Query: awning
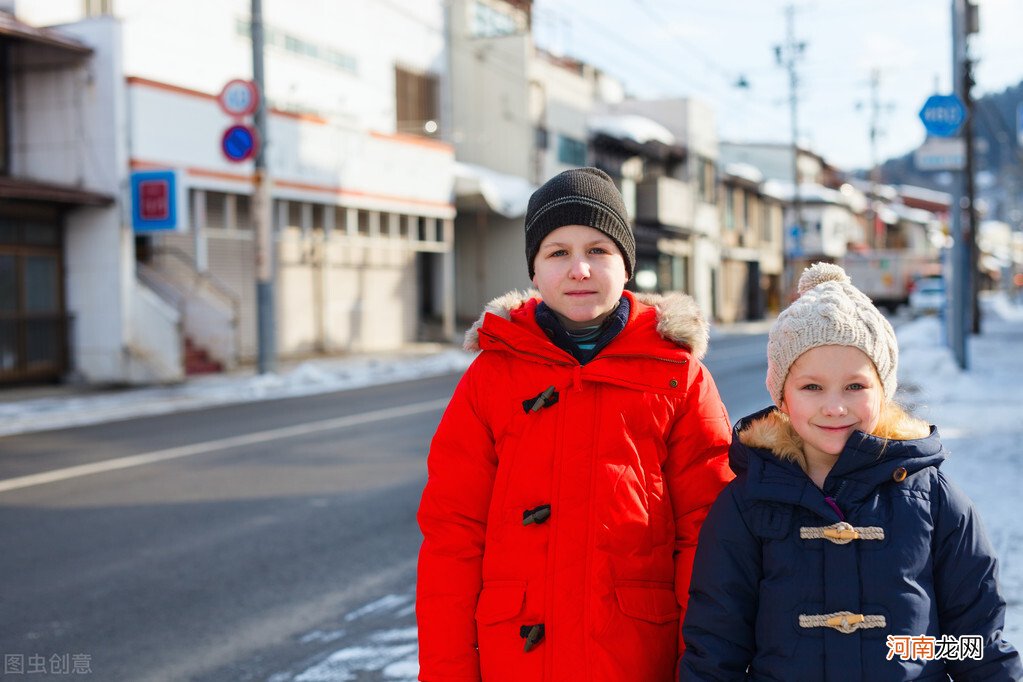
[47, 41]
[32, 190]
[503, 193]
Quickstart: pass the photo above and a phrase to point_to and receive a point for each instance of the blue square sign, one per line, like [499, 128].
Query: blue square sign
[154, 201]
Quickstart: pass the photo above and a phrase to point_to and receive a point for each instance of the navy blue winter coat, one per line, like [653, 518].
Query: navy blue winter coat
[770, 573]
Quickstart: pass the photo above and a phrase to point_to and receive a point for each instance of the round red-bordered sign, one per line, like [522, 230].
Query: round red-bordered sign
[239, 143]
[239, 98]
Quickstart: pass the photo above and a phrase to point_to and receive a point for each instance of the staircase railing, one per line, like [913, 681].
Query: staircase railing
[210, 311]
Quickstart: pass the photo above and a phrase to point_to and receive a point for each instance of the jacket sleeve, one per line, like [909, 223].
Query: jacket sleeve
[696, 471]
[452, 517]
[719, 629]
[966, 587]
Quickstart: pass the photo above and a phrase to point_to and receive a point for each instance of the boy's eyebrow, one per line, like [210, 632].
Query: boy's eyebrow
[602, 240]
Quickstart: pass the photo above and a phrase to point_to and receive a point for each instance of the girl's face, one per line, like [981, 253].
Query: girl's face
[830, 392]
[580, 274]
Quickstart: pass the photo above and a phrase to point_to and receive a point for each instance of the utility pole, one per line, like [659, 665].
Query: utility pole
[266, 329]
[971, 233]
[876, 237]
[963, 282]
[786, 56]
[959, 288]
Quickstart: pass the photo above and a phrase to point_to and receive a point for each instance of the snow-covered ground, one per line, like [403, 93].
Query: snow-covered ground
[978, 413]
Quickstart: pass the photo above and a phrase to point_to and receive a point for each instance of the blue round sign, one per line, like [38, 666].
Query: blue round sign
[239, 143]
[943, 115]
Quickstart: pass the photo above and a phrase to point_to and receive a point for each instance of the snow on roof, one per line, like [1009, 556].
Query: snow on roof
[924, 194]
[744, 171]
[631, 127]
[916, 215]
[808, 193]
[506, 194]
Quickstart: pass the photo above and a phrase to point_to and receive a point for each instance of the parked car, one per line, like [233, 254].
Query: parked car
[927, 296]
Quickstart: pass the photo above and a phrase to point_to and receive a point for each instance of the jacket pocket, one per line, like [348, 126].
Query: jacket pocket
[500, 600]
[500, 613]
[653, 603]
[640, 639]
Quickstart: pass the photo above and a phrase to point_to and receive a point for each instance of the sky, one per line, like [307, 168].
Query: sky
[977, 413]
[685, 48]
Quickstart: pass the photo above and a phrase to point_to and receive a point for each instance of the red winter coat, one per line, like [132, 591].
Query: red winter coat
[629, 457]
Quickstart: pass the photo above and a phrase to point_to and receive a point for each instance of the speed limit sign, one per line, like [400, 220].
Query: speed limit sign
[239, 98]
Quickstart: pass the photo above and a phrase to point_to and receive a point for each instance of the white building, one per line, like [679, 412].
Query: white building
[519, 116]
[361, 187]
[684, 203]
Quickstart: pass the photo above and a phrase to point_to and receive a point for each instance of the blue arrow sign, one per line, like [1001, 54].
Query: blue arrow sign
[943, 115]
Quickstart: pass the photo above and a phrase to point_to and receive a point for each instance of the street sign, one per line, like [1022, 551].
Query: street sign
[154, 201]
[943, 115]
[239, 98]
[941, 154]
[239, 143]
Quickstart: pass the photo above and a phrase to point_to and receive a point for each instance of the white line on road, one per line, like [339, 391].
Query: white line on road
[220, 444]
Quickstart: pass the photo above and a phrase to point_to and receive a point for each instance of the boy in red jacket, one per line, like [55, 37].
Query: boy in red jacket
[574, 465]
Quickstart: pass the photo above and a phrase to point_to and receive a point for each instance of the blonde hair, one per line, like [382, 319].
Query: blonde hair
[895, 423]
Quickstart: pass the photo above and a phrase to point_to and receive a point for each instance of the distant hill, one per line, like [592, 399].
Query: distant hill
[999, 158]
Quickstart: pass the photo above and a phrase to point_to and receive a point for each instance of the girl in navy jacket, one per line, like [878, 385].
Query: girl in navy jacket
[841, 552]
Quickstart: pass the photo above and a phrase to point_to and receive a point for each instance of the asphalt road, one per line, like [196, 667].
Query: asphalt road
[250, 542]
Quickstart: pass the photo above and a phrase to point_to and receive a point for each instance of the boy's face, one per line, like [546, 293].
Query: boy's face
[580, 274]
[830, 392]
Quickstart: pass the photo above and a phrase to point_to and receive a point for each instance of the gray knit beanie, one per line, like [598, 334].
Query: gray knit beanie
[581, 196]
[830, 311]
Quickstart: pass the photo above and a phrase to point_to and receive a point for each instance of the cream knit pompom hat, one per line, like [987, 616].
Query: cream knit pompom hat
[830, 311]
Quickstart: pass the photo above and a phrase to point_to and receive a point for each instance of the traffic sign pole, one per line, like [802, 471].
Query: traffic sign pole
[266, 327]
[959, 274]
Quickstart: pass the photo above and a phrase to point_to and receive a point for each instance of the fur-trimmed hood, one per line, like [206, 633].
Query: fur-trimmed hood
[679, 319]
[899, 438]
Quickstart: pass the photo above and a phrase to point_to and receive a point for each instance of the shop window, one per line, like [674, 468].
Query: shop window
[417, 102]
[571, 151]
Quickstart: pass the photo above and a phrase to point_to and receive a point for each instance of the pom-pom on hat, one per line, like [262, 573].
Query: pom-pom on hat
[580, 196]
[830, 311]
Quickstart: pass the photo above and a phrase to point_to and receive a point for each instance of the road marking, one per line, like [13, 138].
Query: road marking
[220, 444]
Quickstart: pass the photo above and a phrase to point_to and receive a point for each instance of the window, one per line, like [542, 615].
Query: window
[242, 212]
[488, 22]
[216, 210]
[417, 102]
[729, 208]
[540, 137]
[98, 8]
[705, 179]
[571, 151]
[273, 37]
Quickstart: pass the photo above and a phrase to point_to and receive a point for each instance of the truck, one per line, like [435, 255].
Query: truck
[887, 276]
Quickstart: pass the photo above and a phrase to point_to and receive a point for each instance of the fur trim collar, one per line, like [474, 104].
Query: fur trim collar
[679, 319]
[774, 432]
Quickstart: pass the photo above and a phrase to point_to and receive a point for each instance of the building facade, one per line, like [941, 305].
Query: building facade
[361, 182]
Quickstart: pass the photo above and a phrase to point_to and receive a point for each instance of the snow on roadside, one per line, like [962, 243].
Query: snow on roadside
[308, 378]
[979, 418]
